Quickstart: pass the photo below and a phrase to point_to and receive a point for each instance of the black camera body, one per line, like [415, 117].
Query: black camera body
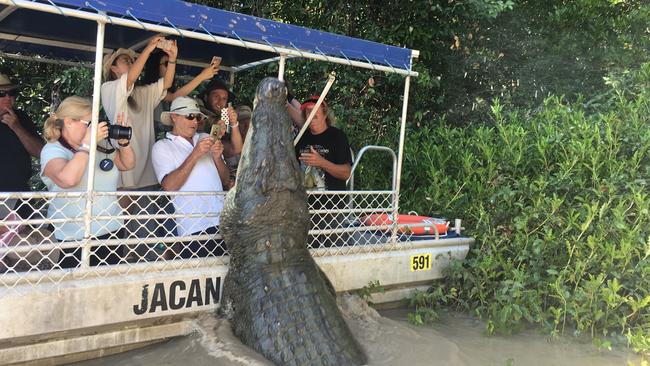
[117, 132]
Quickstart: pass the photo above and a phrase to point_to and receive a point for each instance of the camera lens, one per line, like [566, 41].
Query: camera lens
[116, 132]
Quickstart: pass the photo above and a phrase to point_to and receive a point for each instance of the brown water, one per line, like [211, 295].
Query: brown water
[388, 340]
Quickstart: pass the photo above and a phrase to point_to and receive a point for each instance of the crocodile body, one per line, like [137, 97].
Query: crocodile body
[279, 302]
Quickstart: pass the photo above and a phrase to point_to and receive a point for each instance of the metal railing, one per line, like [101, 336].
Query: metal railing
[43, 234]
[374, 148]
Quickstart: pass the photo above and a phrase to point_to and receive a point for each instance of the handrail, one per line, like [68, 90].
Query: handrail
[375, 148]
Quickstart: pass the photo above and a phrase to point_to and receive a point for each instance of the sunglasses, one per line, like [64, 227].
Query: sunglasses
[193, 116]
[11, 93]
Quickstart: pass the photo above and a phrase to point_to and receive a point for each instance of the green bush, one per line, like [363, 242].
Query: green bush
[558, 203]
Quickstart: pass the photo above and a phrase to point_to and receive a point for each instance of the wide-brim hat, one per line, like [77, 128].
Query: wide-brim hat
[183, 106]
[215, 84]
[5, 82]
[110, 58]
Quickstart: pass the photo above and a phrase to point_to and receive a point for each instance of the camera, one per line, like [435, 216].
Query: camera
[117, 132]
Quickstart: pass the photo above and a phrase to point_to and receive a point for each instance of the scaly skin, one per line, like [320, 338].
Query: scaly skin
[275, 294]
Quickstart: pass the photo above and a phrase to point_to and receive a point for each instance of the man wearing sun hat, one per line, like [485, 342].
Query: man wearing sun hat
[216, 97]
[191, 161]
[19, 140]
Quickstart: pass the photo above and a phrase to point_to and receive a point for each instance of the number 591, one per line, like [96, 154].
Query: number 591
[420, 262]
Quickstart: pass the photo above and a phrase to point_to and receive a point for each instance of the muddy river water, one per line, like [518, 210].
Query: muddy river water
[388, 339]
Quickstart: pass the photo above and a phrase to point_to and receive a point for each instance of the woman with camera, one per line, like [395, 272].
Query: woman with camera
[64, 168]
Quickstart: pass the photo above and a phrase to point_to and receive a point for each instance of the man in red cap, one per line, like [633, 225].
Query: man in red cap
[325, 157]
[324, 151]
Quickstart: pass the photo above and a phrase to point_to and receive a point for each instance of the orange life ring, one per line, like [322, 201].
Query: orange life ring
[386, 219]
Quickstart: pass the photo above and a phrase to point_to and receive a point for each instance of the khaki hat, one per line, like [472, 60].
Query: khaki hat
[183, 106]
[244, 112]
[108, 59]
[5, 82]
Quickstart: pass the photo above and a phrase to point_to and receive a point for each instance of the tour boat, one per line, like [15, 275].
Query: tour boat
[59, 315]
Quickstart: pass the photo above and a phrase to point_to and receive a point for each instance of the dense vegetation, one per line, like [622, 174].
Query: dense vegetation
[528, 120]
[558, 202]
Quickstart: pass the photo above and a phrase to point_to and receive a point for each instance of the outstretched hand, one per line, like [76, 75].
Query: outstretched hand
[210, 71]
[172, 51]
[153, 42]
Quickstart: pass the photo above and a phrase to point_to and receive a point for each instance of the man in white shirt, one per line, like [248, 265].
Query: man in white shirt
[188, 161]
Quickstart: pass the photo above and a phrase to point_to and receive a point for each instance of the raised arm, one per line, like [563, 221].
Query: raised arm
[235, 135]
[222, 168]
[186, 89]
[138, 65]
[293, 108]
[172, 53]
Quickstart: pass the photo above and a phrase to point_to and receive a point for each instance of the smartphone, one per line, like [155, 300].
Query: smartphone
[216, 60]
[165, 44]
[215, 131]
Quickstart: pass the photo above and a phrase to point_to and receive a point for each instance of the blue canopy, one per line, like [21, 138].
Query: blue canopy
[39, 28]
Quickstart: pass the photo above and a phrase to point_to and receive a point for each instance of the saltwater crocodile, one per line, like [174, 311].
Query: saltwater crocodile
[278, 300]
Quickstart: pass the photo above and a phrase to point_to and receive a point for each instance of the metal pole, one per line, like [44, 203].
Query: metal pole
[97, 82]
[326, 90]
[231, 79]
[400, 157]
[283, 59]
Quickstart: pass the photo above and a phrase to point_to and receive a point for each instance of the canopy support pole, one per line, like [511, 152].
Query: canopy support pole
[231, 79]
[97, 82]
[400, 157]
[283, 59]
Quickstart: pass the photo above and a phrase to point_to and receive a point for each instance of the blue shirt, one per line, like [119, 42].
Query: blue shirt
[73, 208]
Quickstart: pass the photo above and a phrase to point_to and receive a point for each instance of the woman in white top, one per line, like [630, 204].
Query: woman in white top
[64, 165]
[121, 95]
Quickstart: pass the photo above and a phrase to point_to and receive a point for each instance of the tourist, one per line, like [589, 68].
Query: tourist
[217, 98]
[190, 161]
[19, 142]
[326, 160]
[121, 96]
[64, 168]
